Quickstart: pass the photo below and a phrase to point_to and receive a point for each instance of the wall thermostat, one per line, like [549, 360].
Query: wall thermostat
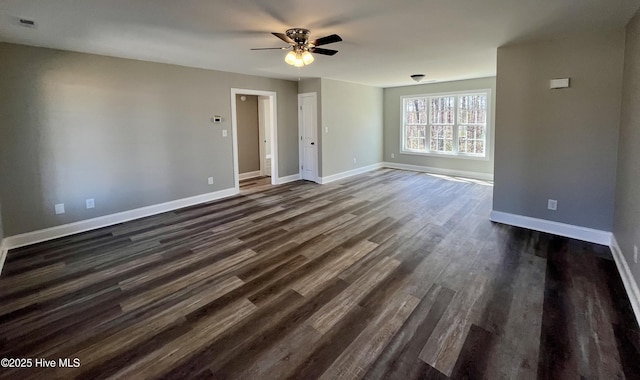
[217, 119]
[559, 83]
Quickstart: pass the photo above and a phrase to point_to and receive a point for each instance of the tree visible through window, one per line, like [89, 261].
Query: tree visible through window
[446, 124]
[416, 122]
[472, 122]
[441, 126]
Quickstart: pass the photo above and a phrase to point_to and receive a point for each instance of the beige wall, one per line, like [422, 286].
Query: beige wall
[626, 227]
[559, 144]
[248, 141]
[126, 133]
[393, 125]
[351, 126]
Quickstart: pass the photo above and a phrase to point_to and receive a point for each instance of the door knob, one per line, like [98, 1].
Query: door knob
[313, 143]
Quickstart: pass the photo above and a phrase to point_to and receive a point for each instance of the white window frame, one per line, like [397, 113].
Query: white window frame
[455, 154]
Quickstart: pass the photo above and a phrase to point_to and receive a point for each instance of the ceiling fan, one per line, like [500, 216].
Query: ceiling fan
[300, 46]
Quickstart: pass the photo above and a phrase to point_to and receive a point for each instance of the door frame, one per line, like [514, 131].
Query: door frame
[261, 134]
[273, 105]
[313, 95]
[261, 147]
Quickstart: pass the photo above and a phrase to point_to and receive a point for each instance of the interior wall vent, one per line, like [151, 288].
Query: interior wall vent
[29, 23]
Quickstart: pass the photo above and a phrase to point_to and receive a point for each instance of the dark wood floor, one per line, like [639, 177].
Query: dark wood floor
[253, 184]
[387, 275]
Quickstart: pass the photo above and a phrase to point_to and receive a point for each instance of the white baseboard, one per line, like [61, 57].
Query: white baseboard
[628, 280]
[568, 230]
[248, 175]
[289, 178]
[441, 171]
[3, 253]
[29, 238]
[349, 173]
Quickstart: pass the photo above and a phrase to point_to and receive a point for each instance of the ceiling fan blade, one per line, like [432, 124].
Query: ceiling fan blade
[278, 48]
[284, 38]
[323, 51]
[327, 40]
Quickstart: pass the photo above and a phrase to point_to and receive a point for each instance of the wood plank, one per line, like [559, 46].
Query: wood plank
[283, 329]
[400, 358]
[443, 347]
[216, 267]
[104, 349]
[332, 269]
[520, 338]
[160, 292]
[163, 359]
[354, 362]
[331, 313]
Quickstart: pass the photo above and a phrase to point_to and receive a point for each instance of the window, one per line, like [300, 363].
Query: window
[447, 124]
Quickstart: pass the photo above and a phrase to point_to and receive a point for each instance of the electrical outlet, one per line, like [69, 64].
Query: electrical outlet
[635, 254]
[354, 160]
[210, 180]
[393, 155]
[552, 204]
[91, 203]
[224, 133]
[59, 208]
[326, 129]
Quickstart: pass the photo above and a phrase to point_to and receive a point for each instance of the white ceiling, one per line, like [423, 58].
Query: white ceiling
[385, 41]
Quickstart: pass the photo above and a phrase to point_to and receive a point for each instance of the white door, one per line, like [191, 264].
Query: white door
[307, 119]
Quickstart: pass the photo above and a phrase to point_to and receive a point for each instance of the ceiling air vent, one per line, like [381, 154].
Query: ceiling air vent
[29, 23]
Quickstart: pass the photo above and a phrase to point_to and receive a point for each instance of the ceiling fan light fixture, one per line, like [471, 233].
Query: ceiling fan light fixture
[290, 58]
[299, 62]
[417, 77]
[300, 47]
[298, 58]
[307, 58]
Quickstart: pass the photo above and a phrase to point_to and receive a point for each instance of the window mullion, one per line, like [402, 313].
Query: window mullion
[429, 110]
[455, 126]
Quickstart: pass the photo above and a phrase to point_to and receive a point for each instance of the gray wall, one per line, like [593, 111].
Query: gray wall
[1, 228]
[353, 115]
[393, 125]
[626, 227]
[559, 144]
[248, 141]
[127, 133]
[310, 85]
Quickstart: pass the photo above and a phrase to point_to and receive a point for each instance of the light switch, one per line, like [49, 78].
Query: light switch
[224, 133]
[59, 208]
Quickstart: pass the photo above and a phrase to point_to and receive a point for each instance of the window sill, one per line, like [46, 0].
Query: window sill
[445, 155]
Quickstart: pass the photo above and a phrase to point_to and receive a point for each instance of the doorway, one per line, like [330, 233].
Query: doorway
[267, 133]
[308, 130]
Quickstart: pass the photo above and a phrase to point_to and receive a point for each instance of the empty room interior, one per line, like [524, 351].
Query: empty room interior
[337, 190]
